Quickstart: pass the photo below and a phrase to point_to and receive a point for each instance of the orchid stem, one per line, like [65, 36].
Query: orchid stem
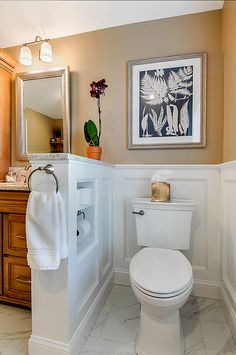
[99, 119]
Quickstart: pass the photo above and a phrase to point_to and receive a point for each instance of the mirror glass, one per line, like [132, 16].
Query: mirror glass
[43, 114]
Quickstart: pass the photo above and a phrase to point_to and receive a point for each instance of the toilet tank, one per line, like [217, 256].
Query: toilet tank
[163, 224]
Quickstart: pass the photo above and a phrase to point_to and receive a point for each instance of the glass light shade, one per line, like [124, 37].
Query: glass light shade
[46, 52]
[25, 56]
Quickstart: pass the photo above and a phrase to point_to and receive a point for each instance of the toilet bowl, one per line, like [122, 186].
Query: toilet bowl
[160, 275]
[162, 281]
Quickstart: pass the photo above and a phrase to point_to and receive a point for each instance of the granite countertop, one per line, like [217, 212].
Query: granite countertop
[65, 156]
[13, 186]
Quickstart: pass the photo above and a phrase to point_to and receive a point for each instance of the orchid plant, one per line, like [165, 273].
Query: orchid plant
[92, 135]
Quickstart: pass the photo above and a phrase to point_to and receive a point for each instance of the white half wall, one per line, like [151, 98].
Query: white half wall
[67, 301]
[200, 183]
[228, 274]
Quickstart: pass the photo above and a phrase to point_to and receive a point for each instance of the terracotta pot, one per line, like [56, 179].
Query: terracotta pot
[94, 152]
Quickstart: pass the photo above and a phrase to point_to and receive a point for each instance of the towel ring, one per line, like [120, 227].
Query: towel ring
[49, 169]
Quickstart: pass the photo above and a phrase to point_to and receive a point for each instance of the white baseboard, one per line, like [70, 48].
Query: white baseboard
[228, 310]
[43, 346]
[201, 288]
[206, 289]
[121, 277]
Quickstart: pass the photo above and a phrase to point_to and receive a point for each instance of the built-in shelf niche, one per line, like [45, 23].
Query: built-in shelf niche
[85, 194]
[86, 210]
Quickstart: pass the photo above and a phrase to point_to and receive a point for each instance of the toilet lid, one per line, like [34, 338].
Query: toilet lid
[161, 271]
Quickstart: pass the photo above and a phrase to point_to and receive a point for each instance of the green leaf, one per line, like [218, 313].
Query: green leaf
[86, 135]
[91, 133]
[92, 129]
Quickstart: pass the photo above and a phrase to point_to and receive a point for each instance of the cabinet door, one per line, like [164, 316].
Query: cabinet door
[17, 278]
[14, 235]
[1, 261]
[5, 115]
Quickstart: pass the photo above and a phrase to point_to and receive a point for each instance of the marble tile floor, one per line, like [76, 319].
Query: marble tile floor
[15, 330]
[204, 326]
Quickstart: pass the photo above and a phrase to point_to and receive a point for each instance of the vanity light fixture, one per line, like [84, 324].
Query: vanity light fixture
[25, 55]
[45, 53]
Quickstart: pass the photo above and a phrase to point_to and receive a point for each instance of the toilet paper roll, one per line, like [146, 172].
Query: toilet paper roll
[84, 228]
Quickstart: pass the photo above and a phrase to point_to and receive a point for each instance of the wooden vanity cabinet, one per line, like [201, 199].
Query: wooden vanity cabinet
[15, 278]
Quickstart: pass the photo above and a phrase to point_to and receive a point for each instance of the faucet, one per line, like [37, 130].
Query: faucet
[27, 167]
[24, 177]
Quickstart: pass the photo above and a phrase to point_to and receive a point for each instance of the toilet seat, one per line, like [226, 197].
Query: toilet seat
[162, 295]
[161, 273]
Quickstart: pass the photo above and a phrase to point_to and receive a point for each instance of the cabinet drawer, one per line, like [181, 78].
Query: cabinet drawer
[17, 278]
[14, 235]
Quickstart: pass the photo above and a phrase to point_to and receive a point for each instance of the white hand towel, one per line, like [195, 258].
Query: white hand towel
[46, 230]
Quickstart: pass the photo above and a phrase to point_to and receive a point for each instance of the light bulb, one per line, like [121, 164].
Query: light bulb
[25, 56]
[46, 52]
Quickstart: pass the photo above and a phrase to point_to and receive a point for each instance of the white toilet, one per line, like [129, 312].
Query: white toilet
[161, 277]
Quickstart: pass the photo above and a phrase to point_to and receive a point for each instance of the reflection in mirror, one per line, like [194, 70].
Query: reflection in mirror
[42, 112]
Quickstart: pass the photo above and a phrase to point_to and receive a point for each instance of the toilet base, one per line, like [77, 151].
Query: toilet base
[159, 335]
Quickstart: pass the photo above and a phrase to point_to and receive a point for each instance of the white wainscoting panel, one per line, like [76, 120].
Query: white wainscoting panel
[200, 183]
[228, 276]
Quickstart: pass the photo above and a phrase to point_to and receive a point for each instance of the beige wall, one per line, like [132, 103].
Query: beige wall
[229, 49]
[105, 53]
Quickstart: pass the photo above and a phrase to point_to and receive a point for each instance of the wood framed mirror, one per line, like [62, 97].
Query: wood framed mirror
[42, 112]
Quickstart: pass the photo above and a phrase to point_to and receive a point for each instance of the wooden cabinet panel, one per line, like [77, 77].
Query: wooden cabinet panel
[15, 274]
[14, 241]
[7, 65]
[5, 121]
[17, 278]
[1, 261]
[13, 202]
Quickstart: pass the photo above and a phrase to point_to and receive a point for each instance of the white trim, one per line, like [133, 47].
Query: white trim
[201, 288]
[228, 164]
[206, 289]
[121, 277]
[228, 310]
[43, 346]
[170, 166]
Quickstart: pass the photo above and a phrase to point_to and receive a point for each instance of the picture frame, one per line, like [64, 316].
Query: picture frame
[167, 102]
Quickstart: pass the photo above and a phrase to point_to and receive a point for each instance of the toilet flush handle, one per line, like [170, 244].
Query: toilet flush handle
[141, 212]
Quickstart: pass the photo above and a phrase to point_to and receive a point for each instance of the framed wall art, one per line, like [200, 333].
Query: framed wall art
[167, 102]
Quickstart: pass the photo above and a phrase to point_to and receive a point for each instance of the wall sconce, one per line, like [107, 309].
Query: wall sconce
[45, 53]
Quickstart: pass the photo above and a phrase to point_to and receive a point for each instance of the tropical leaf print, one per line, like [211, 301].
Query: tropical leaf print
[184, 117]
[175, 118]
[166, 102]
[183, 91]
[169, 129]
[185, 73]
[158, 123]
[144, 122]
[172, 119]
[177, 82]
[153, 89]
